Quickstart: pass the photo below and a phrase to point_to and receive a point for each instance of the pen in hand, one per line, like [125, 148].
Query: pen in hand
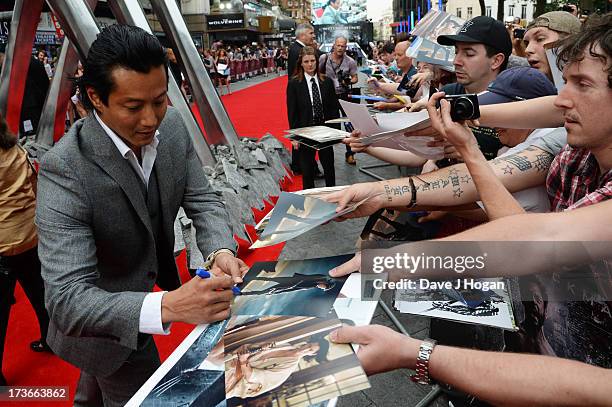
[203, 273]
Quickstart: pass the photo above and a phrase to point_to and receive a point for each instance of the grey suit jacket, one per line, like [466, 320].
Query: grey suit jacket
[97, 247]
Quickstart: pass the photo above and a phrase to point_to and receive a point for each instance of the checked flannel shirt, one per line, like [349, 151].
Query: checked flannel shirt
[574, 180]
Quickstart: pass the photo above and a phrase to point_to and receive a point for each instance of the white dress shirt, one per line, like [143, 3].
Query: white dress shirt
[308, 79]
[150, 321]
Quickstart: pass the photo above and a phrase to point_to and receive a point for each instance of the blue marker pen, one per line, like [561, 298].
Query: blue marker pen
[203, 273]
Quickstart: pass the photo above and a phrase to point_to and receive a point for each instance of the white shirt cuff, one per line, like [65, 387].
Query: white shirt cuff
[150, 315]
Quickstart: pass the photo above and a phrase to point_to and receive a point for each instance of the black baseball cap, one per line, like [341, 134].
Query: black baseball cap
[481, 30]
[518, 83]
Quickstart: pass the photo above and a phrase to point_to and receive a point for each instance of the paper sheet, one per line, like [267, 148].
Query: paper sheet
[551, 55]
[360, 118]
[403, 120]
[320, 134]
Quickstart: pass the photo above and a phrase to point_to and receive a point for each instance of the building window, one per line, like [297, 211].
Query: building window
[459, 12]
[469, 13]
[488, 11]
[511, 10]
[524, 11]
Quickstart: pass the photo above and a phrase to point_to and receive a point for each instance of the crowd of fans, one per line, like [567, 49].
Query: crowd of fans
[232, 63]
[535, 149]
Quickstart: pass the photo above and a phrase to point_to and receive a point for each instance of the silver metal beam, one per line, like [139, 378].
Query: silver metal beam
[129, 12]
[53, 119]
[217, 124]
[78, 23]
[17, 59]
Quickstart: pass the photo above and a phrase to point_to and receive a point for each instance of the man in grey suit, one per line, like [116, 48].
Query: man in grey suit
[109, 192]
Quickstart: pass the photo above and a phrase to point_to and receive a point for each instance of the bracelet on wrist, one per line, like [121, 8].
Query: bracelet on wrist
[421, 375]
[413, 193]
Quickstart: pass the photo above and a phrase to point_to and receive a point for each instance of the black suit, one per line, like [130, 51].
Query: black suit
[292, 58]
[35, 93]
[300, 113]
[294, 54]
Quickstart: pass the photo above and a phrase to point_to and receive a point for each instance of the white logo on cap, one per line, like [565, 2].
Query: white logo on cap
[467, 25]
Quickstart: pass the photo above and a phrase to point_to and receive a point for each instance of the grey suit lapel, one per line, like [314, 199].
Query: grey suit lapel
[103, 151]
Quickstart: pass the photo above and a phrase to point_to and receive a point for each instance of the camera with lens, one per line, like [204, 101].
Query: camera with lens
[464, 107]
[344, 78]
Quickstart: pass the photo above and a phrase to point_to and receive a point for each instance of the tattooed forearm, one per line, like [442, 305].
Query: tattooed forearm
[519, 161]
[395, 191]
[536, 159]
[543, 161]
[452, 178]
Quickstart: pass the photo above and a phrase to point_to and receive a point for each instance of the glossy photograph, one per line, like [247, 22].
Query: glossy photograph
[290, 287]
[287, 361]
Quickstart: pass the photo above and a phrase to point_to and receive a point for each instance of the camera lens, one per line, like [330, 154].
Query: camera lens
[464, 108]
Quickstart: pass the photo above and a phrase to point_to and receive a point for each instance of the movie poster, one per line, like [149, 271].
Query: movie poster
[339, 11]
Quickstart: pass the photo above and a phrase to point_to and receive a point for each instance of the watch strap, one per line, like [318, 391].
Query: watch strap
[421, 375]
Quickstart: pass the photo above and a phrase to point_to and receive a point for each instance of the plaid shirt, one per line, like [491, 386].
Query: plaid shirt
[574, 180]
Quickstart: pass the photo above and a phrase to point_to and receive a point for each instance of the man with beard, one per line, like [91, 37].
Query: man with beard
[531, 338]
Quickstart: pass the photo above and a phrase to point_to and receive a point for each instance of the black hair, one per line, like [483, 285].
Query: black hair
[7, 139]
[119, 45]
[388, 48]
[492, 52]
[595, 32]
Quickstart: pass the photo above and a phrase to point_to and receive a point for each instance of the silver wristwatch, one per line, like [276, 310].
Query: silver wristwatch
[421, 375]
[211, 257]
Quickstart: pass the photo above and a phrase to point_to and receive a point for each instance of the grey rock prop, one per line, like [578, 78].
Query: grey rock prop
[271, 143]
[245, 176]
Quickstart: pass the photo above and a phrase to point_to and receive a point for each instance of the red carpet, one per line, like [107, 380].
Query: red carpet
[260, 109]
[254, 112]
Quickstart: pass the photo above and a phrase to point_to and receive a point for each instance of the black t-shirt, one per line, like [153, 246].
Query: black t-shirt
[487, 138]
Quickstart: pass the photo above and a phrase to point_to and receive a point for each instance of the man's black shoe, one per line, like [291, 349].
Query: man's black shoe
[40, 346]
